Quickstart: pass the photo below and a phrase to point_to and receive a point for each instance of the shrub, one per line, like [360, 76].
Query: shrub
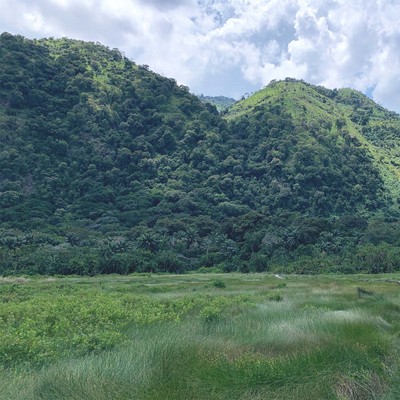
[274, 297]
[219, 283]
[210, 314]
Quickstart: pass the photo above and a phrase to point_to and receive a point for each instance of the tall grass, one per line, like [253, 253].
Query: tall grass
[322, 341]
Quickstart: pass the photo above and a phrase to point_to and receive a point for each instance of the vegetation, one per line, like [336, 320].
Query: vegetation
[107, 167]
[332, 118]
[180, 337]
[222, 103]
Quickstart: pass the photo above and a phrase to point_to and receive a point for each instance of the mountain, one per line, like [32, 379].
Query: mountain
[88, 132]
[106, 166]
[343, 114]
[222, 103]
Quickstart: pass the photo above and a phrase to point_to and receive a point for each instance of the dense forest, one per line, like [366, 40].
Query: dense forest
[107, 167]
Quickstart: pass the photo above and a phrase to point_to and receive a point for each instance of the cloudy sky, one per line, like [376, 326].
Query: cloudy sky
[230, 47]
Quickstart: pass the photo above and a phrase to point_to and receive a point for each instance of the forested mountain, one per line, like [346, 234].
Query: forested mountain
[344, 118]
[222, 103]
[106, 166]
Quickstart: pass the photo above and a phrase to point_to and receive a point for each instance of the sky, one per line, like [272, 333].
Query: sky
[233, 47]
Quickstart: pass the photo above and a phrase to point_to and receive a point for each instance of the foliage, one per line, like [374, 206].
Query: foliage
[219, 283]
[222, 103]
[60, 319]
[107, 167]
[115, 337]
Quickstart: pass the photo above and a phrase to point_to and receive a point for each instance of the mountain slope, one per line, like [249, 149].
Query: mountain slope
[85, 130]
[307, 151]
[106, 166]
[344, 114]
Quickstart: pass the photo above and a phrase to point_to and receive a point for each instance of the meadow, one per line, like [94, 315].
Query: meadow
[200, 336]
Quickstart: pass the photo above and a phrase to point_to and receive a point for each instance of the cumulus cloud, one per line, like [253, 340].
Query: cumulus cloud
[232, 46]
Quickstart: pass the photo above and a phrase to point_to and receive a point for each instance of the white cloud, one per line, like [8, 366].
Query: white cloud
[219, 46]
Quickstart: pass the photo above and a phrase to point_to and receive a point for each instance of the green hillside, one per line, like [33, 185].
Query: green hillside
[89, 135]
[338, 113]
[106, 167]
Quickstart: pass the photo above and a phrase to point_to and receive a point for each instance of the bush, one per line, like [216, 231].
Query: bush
[219, 283]
[210, 314]
[378, 258]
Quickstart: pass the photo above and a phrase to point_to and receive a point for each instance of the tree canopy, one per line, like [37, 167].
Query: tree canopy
[106, 167]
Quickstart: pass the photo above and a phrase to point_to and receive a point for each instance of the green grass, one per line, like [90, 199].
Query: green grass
[181, 337]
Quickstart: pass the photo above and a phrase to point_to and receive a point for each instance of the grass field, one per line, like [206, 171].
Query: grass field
[200, 336]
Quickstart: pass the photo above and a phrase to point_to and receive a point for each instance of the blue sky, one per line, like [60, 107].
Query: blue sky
[229, 47]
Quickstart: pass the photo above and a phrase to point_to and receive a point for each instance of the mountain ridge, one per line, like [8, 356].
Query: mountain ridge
[356, 112]
[109, 167]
